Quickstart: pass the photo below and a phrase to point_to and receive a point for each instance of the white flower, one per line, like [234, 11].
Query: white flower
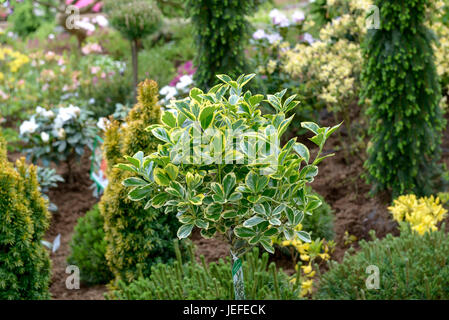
[45, 136]
[298, 16]
[102, 123]
[259, 34]
[184, 82]
[51, 36]
[169, 92]
[272, 38]
[61, 133]
[66, 114]
[102, 21]
[44, 113]
[278, 18]
[85, 25]
[28, 126]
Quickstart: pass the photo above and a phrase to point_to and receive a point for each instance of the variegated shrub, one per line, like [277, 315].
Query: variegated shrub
[220, 167]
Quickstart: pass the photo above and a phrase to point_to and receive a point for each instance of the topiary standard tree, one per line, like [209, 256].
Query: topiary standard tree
[221, 30]
[135, 20]
[24, 262]
[136, 238]
[220, 168]
[405, 118]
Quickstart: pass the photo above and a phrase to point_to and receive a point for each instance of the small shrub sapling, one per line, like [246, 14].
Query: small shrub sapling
[220, 168]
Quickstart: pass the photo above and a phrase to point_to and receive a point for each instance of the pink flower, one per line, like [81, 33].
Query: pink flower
[94, 70]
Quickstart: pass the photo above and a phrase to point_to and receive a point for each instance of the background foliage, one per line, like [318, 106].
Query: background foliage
[136, 238]
[406, 121]
[24, 218]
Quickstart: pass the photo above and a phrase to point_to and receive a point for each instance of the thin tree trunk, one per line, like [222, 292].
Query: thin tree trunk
[135, 65]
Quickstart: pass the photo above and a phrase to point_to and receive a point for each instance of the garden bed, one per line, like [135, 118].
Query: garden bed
[341, 185]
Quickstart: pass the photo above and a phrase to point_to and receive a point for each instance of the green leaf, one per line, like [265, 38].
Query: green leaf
[243, 232]
[318, 160]
[319, 139]
[270, 232]
[160, 177]
[304, 236]
[195, 94]
[135, 162]
[289, 234]
[229, 183]
[302, 150]
[251, 222]
[312, 205]
[254, 198]
[184, 231]
[236, 196]
[172, 171]
[207, 115]
[229, 214]
[234, 99]
[333, 129]
[224, 78]
[202, 224]
[139, 193]
[127, 167]
[133, 182]
[159, 200]
[214, 209]
[255, 182]
[161, 134]
[245, 79]
[168, 119]
[197, 200]
[260, 209]
[266, 244]
[278, 210]
[310, 126]
[256, 99]
[217, 189]
[274, 102]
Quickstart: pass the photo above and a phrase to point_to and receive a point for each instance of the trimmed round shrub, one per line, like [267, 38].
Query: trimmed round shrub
[24, 218]
[88, 249]
[410, 267]
[134, 19]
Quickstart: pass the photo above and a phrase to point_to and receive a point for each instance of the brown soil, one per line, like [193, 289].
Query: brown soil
[73, 201]
[341, 183]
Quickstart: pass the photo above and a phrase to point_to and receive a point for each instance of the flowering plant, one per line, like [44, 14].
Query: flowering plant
[312, 254]
[421, 214]
[268, 43]
[59, 134]
[180, 86]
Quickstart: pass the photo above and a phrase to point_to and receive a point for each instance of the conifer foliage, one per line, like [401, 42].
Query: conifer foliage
[401, 81]
[221, 30]
[24, 262]
[136, 238]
